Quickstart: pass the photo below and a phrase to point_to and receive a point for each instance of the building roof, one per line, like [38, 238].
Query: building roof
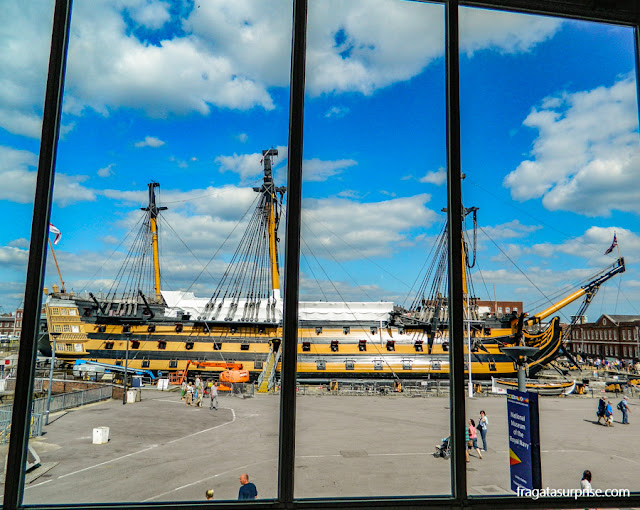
[617, 319]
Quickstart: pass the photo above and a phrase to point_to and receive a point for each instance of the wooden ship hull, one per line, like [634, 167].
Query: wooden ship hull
[325, 351]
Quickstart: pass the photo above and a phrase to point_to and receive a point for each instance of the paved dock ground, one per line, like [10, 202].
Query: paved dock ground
[159, 449]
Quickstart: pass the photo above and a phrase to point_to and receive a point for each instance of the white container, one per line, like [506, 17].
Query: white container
[131, 396]
[100, 435]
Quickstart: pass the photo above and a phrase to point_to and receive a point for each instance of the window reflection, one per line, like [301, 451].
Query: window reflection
[170, 185]
[374, 184]
[532, 156]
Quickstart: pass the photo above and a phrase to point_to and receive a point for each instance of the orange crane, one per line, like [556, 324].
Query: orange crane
[234, 372]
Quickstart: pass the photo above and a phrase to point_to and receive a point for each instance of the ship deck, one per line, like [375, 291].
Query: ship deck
[347, 446]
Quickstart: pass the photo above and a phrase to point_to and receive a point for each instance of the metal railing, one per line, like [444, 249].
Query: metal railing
[5, 426]
[58, 403]
[272, 375]
[241, 390]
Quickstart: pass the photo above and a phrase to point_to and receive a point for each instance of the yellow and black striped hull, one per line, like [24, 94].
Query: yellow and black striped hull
[325, 351]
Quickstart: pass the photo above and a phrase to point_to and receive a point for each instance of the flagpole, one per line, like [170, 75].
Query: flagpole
[615, 236]
[57, 267]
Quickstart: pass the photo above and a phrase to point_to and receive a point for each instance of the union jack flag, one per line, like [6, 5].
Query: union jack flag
[613, 245]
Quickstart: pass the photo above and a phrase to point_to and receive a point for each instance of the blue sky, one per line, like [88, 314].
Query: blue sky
[188, 94]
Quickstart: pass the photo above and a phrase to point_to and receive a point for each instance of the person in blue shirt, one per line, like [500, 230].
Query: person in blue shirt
[608, 414]
[247, 489]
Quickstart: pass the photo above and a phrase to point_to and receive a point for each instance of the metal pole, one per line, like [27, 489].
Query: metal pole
[522, 382]
[53, 362]
[126, 369]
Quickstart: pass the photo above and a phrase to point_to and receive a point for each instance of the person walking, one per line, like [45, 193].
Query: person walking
[466, 443]
[214, 397]
[473, 436]
[247, 489]
[189, 394]
[608, 414]
[623, 405]
[199, 393]
[483, 424]
[602, 407]
[196, 388]
[183, 390]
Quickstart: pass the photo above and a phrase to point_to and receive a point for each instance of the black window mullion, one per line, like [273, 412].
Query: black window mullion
[14, 481]
[454, 216]
[286, 465]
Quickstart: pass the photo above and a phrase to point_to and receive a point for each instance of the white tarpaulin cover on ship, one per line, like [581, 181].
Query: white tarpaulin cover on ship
[308, 310]
[195, 306]
[364, 311]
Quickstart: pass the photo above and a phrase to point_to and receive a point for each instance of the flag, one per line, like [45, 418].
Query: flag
[613, 245]
[55, 231]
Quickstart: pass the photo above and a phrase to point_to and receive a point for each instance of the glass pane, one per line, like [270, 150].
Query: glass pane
[166, 264]
[374, 185]
[25, 38]
[550, 152]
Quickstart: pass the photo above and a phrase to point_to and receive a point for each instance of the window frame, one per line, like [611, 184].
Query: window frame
[621, 12]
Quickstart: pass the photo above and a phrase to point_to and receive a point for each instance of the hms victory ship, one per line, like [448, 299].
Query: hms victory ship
[240, 325]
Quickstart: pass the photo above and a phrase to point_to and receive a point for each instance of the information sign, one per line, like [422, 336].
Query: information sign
[524, 440]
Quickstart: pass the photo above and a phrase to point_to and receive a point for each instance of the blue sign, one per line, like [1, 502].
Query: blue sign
[524, 440]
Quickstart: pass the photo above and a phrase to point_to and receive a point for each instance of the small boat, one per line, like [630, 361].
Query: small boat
[534, 385]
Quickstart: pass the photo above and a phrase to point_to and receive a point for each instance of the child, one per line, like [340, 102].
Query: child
[474, 437]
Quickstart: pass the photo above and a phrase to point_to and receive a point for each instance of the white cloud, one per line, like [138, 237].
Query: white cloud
[14, 257]
[585, 158]
[226, 202]
[510, 230]
[336, 112]
[347, 230]
[17, 174]
[242, 137]
[19, 243]
[149, 141]
[355, 46]
[438, 177]
[507, 32]
[24, 56]
[106, 171]
[317, 170]
[18, 177]
[249, 166]
[149, 13]
[228, 55]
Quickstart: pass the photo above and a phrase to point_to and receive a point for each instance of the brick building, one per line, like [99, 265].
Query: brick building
[11, 324]
[611, 336]
[499, 308]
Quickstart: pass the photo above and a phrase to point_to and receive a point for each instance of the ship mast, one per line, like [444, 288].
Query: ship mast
[153, 210]
[269, 190]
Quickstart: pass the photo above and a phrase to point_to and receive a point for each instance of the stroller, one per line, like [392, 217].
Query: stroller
[444, 449]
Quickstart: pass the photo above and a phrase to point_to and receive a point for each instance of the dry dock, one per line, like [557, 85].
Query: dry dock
[161, 450]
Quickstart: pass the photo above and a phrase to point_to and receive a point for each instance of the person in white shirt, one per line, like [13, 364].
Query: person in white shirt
[483, 423]
[585, 483]
[214, 397]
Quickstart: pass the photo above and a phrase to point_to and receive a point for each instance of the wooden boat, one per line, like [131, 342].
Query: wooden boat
[538, 386]
[149, 328]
